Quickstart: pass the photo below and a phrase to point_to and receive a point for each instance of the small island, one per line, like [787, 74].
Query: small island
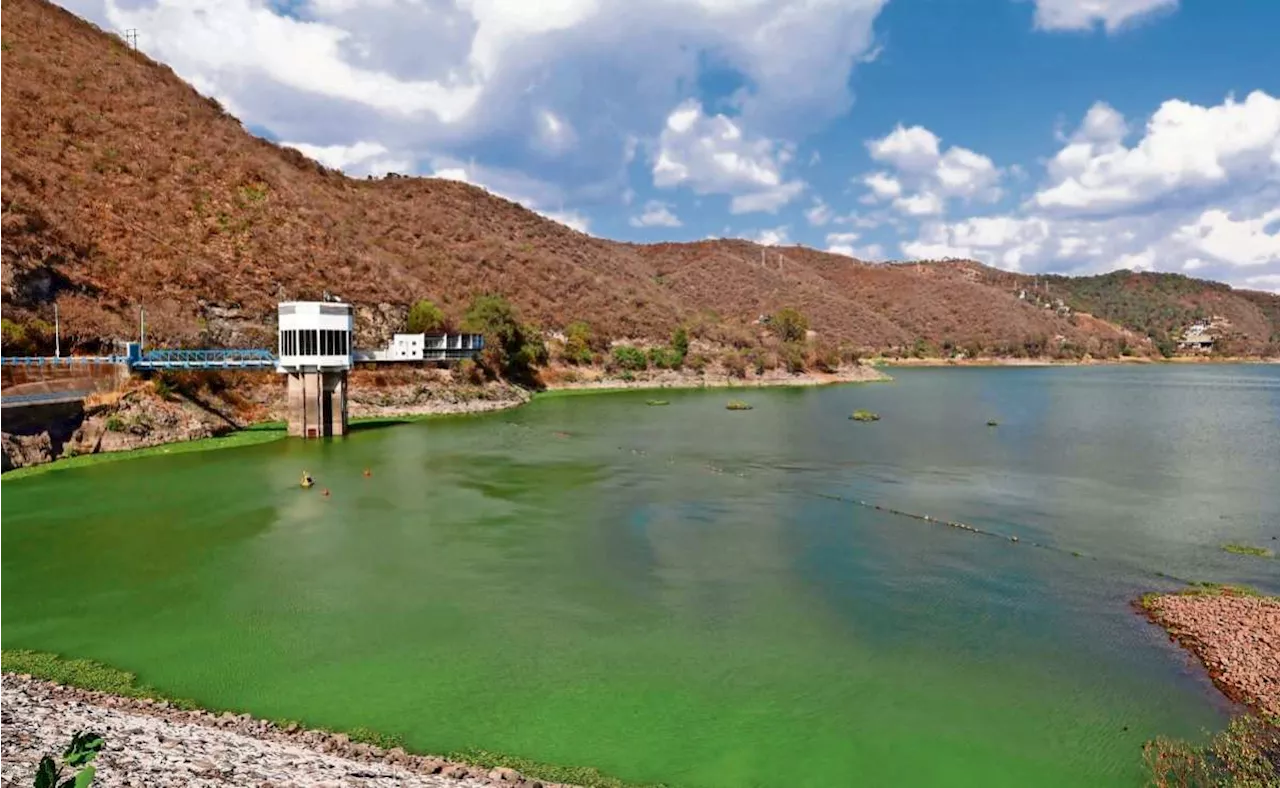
[737, 404]
[865, 415]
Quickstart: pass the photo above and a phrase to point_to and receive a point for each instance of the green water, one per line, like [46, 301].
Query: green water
[672, 594]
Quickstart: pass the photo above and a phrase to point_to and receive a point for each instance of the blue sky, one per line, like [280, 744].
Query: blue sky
[1073, 136]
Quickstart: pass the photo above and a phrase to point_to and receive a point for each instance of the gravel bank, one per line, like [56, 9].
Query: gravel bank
[1236, 637]
[149, 744]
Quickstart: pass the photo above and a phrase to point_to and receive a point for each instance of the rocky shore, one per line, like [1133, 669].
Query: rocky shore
[149, 743]
[1236, 636]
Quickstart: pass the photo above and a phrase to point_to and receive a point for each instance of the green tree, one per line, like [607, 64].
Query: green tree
[578, 339]
[631, 359]
[425, 317]
[790, 325]
[680, 342]
[512, 349]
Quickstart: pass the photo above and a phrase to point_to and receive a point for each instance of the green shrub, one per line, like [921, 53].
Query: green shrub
[826, 357]
[115, 423]
[12, 334]
[790, 325]
[737, 404]
[865, 415]
[696, 362]
[664, 358]
[578, 343]
[630, 358]
[680, 342]
[425, 317]
[512, 349]
[793, 357]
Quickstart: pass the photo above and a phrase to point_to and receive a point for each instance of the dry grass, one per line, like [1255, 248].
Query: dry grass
[123, 186]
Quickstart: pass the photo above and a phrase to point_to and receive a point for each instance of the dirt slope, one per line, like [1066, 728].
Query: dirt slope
[123, 186]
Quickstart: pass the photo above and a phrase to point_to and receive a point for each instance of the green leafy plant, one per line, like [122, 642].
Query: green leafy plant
[84, 747]
[512, 348]
[680, 342]
[790, 325]
[1245, 755]
[630, 358]
[424, 317]
[737, 404]
[115, 423]
[578, 339]
[865, 415]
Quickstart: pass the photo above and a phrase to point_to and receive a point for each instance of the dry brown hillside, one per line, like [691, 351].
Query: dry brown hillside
[123, 186]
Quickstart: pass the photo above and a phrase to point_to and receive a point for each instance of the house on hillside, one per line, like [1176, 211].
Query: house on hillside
[1196, 338]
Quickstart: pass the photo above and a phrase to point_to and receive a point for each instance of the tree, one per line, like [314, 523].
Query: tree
[425, 317]
[577, 343]
[680, 342]
[511, 349]
[790, 325]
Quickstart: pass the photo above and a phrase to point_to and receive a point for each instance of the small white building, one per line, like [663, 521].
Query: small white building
[314, 336]
[406, 347]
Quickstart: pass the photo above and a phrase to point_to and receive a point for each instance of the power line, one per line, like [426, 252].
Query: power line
[131, 37]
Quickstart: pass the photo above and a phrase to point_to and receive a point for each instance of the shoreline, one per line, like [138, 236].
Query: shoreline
[166, 741]
[1234, 633]
[1052, 362]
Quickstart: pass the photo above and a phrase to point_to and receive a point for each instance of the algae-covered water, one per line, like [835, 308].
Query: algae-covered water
[680, 594]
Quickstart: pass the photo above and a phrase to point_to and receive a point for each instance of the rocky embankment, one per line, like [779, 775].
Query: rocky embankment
[148, 743]
[573, 378]
[1237, 637]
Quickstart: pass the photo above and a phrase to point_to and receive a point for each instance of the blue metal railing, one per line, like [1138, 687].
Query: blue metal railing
[59, 361]
[240, 358]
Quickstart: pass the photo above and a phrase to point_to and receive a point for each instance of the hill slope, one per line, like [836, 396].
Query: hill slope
[122, 186]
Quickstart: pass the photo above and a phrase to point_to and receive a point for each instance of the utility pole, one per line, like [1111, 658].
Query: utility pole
[131, 37]
[142, 327]
[57, 339]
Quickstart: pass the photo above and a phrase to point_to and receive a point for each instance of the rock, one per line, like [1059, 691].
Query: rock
[503, 774]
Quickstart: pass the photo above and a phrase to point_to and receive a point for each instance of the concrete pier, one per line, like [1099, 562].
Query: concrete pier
[318, 404]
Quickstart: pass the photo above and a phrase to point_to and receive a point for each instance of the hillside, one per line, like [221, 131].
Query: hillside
[122, 186]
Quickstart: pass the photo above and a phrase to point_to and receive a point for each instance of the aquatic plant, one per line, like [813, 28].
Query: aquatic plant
[83, 748]
[1246, 754]
[865, 415]
[1245, 549]
[993, 423]
[737, 404]
[657, 402]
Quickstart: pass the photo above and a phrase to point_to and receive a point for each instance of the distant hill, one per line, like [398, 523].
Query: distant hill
[123, 186]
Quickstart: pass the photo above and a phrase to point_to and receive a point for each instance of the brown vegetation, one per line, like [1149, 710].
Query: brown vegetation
[123, 187]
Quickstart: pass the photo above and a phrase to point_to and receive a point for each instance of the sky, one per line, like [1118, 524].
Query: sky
[1064, 136]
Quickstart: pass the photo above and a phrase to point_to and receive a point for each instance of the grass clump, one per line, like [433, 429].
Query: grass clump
[865, 415]
[993, 423]
[386, 741]
[737, 404]
[1246, 549]
[657, 402]
[570, 775]
[1245, 755]
[84, 674]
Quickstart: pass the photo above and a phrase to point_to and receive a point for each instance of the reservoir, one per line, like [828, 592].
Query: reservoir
[692, 595]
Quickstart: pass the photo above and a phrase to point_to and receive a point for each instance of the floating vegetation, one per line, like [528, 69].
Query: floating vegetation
[1247, 549]
[993, 423]
[865, 415]
[737, 404]
[657, 402]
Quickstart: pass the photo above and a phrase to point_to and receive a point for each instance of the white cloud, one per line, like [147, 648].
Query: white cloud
[843, 243]
[776, 236]
[656, 214]
[712, 155]
[532, 194]
[362, 158]
[1243, 242]
[1186, 149]
[459, 77]
[924, 177]
[1198, 192]
[819, 214]
[1087, 14]
[1264, 282]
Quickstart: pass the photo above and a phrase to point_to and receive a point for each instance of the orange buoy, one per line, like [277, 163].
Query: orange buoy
[367, 472]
